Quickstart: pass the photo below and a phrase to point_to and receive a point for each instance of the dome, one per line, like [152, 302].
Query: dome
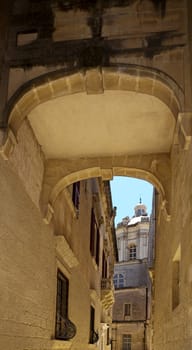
[140, 209]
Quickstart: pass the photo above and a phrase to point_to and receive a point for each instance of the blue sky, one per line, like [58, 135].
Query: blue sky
[126, 192]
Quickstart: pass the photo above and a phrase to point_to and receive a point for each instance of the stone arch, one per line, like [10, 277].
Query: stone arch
[105, 174]
[93, 81]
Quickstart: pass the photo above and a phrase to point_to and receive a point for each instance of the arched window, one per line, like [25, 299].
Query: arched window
[118, 280]
[132, 252]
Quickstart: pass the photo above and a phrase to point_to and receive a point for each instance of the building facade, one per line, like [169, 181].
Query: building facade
[131, 310]
[58, 293]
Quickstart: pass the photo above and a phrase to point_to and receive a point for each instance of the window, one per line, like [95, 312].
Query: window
[139, 212]
[93, 337]
[104, 266]
[113, 344]
[118, 280]
[175, 284]
[64, 328]
[76, 194]
[94, 238]
[126, 342]
[92, 323]
[108, 336]
[132, 252]
[127, 310]
[115, 281]
[176, 278]
[61, 304]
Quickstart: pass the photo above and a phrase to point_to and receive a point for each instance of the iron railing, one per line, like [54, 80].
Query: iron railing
[65, 329]
[106, 283]
[94, 337]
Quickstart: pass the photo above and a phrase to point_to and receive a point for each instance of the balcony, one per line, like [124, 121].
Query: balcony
[94, 337]
[65, 329]
[107, 292]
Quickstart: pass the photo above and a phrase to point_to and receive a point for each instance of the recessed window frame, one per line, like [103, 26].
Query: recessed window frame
[76, 195]
[176, 262]
[61, 302]
[93, 336]
[118, 280]
[94, 238]
[127, 310]
[132, 252]
[65, 329]
[126, 341]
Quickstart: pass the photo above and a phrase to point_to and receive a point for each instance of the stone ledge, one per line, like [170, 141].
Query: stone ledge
[60, 344]
[63, 249]
[92, 346]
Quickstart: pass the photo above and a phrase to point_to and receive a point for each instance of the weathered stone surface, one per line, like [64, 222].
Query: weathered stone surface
[28, 162]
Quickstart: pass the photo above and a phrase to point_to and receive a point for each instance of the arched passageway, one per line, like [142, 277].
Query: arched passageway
[90, 123]
[135, 126]
[54, 185]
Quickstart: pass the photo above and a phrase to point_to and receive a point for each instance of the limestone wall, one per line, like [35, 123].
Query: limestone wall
[27, 160]
[135, 273]
[27, 268]
[136, 297]
[173, 324]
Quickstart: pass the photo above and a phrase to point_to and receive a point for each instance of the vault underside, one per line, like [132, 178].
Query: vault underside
[113, 123]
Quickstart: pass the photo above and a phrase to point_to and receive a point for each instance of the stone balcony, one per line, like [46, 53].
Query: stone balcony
[107, 292]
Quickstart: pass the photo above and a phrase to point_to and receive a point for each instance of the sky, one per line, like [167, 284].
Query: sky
[126, 193]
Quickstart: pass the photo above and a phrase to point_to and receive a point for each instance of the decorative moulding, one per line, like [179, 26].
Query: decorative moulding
[7, 148]
[184, 130]
[49, 214]
[94, 296]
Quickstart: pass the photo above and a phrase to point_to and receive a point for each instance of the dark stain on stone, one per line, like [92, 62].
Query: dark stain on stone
[95, 23]
[96, 8]
[154, 42]
[89, 52]
[93, 52]
[160, 5]
[92, 56]
[89, 5]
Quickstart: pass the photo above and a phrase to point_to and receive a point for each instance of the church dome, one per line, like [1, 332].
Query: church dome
[140, 209]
